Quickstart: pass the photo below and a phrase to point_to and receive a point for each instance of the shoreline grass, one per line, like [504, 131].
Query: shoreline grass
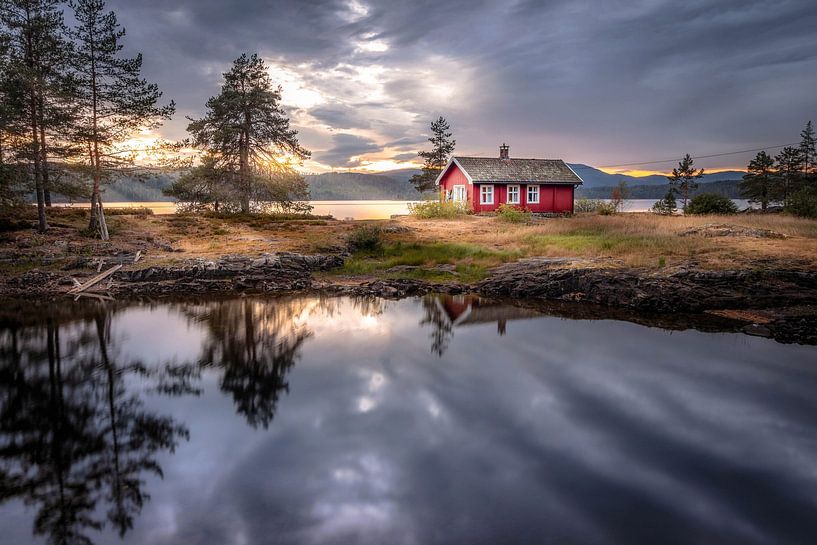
[468, 244]
[470, 261]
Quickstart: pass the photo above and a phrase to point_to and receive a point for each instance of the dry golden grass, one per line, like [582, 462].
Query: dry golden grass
[643, 240]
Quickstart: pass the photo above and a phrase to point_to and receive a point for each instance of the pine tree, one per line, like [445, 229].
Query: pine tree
[35, 53]
[807, 149]
[247, 131]
[113, 99]
[789, 166]
[12, 128]
[759, 182]
[683, 178]
[666, 206]
[436, 159]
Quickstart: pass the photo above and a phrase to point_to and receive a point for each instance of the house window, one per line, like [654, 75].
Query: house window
[533, 194]
[486, 194]
[459, 193]
[513, 194]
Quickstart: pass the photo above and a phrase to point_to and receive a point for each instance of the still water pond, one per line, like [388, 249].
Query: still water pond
[436, 420]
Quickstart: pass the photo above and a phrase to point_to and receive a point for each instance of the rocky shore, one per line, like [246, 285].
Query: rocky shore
[785, 301]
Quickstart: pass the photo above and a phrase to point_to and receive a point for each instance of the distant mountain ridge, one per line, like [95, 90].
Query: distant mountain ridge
[727, 188]
[594, 177]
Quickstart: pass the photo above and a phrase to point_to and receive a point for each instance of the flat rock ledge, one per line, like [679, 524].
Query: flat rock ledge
[231, 273]
[726, 230]
[269, 273]
[684, 290]
[789, 296]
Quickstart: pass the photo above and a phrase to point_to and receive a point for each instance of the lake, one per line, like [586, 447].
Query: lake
[358, 210]
[448, 420]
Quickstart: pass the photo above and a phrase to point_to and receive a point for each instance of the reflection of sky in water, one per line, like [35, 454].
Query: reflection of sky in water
[560, 431]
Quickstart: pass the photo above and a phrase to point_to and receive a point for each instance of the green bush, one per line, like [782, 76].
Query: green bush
[666, 206]
[711, 203]
[513, 214]
[129, 211]
[598, 206]
[366, 238]
[803, 203]
[437, 209]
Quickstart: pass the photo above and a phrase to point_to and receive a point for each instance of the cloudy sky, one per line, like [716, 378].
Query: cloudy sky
[602, 82]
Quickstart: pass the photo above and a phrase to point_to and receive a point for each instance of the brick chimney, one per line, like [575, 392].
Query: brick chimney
[503, 151]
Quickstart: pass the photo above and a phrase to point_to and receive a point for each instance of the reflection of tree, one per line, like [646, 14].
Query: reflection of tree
[255, 343]
[72, 437]
[47, 441]
[442, 329]
[133, 436]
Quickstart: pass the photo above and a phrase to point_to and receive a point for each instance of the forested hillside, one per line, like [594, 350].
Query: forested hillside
[727, 188]
[333, 186]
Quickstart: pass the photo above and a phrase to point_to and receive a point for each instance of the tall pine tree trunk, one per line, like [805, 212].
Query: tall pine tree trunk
[244, 165]
[44, 153]
[244, 175]
[97, 224]
[42, 223]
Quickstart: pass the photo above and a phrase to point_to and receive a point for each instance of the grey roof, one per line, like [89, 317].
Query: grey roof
[544, 171]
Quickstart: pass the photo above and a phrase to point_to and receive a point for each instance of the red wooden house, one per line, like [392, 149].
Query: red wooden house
[484, 183]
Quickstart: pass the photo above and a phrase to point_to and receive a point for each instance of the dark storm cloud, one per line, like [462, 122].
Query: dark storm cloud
[405, 156]
[344, 147]
[340, 116]
[593, 81]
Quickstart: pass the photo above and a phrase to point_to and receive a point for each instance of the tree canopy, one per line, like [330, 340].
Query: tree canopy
[112, 99]
[683, 178]
[442, 145]
[758, 184]
[249, 144]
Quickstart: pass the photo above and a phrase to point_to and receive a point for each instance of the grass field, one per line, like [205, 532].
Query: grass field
[419, 248]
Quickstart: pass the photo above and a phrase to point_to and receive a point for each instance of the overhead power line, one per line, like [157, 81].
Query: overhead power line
[640, 163]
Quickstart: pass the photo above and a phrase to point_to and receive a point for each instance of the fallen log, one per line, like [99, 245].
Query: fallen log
[95, 280]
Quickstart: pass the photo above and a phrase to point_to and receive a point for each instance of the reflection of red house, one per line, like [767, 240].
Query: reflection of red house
[540, 185]
[461, 310]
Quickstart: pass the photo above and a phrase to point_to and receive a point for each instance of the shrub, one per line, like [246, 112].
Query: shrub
[129, 211]
[711, 203]
[606, 208]
[437, 209]
[803, 203]
[366, 238]
[666, 206]
[513, 214]
[587, 205]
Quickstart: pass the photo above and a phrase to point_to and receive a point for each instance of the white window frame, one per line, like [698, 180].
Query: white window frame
[536, 188]
[459, 194]
[486, 190]
[518, 194]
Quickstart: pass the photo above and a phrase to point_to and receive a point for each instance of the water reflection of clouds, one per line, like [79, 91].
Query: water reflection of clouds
[559, 431]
